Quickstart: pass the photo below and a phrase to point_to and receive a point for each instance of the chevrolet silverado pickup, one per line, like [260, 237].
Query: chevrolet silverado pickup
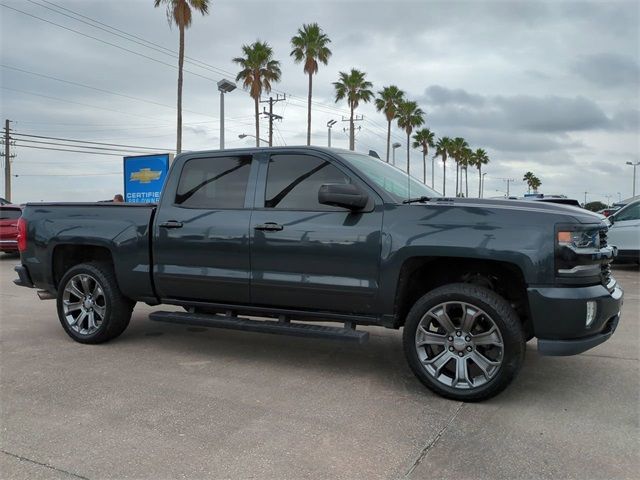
[279, 240]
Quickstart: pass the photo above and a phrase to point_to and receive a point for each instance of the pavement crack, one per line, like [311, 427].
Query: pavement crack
[423, 453]
[609, 356]
[25, 459]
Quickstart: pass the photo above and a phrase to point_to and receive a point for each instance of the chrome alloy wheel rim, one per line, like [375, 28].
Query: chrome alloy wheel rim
[83, 304]
[459, 345]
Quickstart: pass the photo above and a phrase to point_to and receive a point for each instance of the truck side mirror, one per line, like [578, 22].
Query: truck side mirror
[346, 195]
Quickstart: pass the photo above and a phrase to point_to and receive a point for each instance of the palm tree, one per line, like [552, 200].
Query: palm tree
[310, 46]
[387, 102]
[180, 13]
[424, 139]
[355, 89]
[466, 160]
[480, 158]
[409, 117]
[443, 146]
[528, 177]
[259, 70]
[458, 145]
[535, 184]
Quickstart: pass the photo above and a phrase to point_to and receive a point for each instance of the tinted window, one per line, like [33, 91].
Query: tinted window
[10, 213]
[219, 182]
[630, 213]
[293, 182]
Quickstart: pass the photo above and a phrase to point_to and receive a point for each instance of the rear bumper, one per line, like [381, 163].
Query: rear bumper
[24, 279]
[559, 317]
[8, 245]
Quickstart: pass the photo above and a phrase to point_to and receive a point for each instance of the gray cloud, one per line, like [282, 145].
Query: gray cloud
[609, 70]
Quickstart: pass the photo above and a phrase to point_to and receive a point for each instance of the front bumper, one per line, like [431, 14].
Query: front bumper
[559, 317]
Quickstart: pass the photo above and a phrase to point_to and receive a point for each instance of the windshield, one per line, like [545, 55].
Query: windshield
[391, 179]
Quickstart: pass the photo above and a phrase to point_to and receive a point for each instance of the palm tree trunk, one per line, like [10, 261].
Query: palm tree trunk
[180, 65]
[408, 145]
[424, 167]
[457, 174]
[352, 138]
[309, 110]
[255, 104]
[466, 182]
[444, 177]
[433, 171]
[479, 181]
[388, 138]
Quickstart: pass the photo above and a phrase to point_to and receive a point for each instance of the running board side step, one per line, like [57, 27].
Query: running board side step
[281, 327]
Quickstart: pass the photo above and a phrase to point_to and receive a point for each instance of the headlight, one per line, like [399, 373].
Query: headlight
[579, 239]
[578, 251]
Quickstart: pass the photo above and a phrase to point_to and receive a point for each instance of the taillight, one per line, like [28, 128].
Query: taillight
[22, 234]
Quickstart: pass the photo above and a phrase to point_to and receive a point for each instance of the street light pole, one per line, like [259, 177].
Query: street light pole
[394, 146]
[634, 165]
[224, 86]
[245, 135]
[482, 185]
[330, 125]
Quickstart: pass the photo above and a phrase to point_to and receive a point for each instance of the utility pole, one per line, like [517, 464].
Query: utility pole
[330, 125]
[272, 115]
[634, 175]
[357, 118]
[508, 180]
[7, 159]
[585, 198]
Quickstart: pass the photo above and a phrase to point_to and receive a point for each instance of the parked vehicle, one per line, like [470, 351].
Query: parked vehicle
[304, 233]
[559, 199]
[9, 215]
[624, 232]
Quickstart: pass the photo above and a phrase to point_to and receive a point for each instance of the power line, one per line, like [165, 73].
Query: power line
[164, 49]
[68, 150]
[77, 84]
[76, 103]
[80, 146]
[93, 143]
[65, 174]
[105, 42]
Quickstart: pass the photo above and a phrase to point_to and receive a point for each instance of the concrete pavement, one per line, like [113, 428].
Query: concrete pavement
[166, 401]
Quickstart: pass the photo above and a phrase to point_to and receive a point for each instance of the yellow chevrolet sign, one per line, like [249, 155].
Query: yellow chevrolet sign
[145, 175]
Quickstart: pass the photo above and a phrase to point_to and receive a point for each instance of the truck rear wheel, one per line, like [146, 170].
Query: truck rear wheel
[91, 307]
[464, 342]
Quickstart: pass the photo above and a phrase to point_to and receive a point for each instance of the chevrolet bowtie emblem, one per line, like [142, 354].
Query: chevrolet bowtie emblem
[145, 175]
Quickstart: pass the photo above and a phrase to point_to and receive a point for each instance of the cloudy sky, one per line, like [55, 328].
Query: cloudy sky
[549, 87]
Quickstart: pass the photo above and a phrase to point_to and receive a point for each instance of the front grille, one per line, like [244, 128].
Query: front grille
[603, 237]
[605, 268]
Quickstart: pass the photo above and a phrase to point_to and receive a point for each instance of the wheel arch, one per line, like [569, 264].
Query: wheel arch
[419, 275]
[66, 256]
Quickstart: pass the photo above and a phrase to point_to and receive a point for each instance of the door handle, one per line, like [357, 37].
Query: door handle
[171, 224]
[269, 227]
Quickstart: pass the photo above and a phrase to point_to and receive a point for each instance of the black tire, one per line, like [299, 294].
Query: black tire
[117, 307]
[503, 316]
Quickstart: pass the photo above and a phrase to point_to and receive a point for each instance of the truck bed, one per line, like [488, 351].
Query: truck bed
[122, 229]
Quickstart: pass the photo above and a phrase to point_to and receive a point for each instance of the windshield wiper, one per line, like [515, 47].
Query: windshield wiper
[417, 200]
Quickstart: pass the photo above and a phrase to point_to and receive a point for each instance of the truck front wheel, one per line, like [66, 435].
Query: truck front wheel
[91, 307]
[464, 342]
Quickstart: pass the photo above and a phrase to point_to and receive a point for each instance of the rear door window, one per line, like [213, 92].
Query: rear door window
[215, 182]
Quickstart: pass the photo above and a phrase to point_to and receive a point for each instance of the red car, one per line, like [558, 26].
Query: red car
[9, 215]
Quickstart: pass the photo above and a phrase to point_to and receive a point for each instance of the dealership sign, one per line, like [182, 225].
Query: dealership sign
[144, 177]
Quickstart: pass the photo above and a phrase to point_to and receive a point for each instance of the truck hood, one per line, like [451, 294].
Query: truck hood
[578, 214]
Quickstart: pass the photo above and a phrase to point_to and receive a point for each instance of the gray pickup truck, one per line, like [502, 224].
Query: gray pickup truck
[295, 236]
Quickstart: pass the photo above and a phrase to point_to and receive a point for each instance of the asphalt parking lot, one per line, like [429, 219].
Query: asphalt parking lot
[166, 401]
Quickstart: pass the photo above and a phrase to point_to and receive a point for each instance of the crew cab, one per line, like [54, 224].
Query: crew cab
[297, 235]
